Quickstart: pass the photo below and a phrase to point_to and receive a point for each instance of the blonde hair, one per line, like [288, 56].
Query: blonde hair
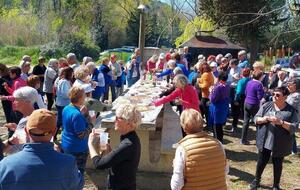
[130, 114]
[81, 73]
[259, 64]
[180, 81]
[191, 121]
[76, 93]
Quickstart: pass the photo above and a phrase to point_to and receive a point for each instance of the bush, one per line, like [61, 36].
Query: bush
[79, 45]
[51, 50]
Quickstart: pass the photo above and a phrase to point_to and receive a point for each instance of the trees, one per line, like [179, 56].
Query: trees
[245, 21]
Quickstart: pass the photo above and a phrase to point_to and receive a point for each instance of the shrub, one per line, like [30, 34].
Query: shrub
[80, 45]
[51, 50]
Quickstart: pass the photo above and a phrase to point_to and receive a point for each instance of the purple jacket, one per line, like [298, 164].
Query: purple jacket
[254, 92]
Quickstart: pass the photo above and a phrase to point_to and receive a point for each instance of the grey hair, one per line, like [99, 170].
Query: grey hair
[52, 62]
[242, 52]
[130, 113]
[86, 60]
[180, 81]
[91, 65]
[26, 93]
[71, 55]
[177, 71]
[171, 63]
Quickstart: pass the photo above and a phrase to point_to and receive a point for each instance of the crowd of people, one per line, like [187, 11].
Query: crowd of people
[206, 95]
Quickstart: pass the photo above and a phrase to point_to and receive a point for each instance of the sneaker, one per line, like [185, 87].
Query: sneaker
[254, 184]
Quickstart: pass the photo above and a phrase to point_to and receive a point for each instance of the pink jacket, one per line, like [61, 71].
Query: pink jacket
[17, 83]
[189, 98]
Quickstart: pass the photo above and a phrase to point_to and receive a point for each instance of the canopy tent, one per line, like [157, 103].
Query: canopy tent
[209, 45]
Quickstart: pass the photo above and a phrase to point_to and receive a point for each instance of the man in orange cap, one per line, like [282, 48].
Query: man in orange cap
[38, 165]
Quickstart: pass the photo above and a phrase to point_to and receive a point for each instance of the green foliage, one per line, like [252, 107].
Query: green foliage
[11, 55]
[80, 45]
[94, 23]
[246, 22]
[192, 28]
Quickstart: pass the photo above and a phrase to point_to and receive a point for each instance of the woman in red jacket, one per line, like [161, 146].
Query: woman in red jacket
[185, 93]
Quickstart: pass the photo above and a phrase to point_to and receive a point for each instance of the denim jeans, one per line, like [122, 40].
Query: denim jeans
[59, 119]
[112, 88]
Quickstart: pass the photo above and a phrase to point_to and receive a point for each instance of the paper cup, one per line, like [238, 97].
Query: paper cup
[92, 113]
[103, 140]
[21, 135]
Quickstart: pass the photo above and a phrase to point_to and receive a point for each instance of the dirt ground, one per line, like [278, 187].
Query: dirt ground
[242, 161]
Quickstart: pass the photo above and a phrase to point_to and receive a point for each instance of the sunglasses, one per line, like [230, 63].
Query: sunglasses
[276, 94]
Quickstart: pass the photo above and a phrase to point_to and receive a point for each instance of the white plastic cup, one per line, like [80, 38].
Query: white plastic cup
[103, 140]
[92, 113]
[21, 135]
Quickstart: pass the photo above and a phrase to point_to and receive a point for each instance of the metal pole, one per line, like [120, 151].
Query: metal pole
[142, 37]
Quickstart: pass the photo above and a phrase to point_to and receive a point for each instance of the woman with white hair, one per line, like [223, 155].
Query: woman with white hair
[161, 63]
[184, 92]
[123, 160]
[49, 78]
[81, 76]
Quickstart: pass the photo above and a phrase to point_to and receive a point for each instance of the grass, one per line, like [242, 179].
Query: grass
[242, 161]
[11, 55]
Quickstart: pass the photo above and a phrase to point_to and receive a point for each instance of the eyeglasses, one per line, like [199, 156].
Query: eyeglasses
[276, 94]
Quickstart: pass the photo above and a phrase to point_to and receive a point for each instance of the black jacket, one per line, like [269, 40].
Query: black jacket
[123, 162]
[283, 139]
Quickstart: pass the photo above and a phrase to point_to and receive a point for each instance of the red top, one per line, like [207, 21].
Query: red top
[160, 64]
[189, 98]
[150, 65]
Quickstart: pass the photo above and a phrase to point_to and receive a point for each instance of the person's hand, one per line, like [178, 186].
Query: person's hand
[93, 118]
[266, 119]
[94, 84]
[10, 126]
[83, 110]
[5, 85]
[274, 120]
[236, 103]
[108, 150]
[94, 140]
[107, 102]
[14, 140]
[2, 97]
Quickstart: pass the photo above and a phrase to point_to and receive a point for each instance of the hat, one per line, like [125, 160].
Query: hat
[41, 122]
[295, 81]
[242, 52]
[24, 63]
[87, 88]
[201, 57]
[26, 58]
[213, 64]
[161, 56]
[26, 93]
[228, 55]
